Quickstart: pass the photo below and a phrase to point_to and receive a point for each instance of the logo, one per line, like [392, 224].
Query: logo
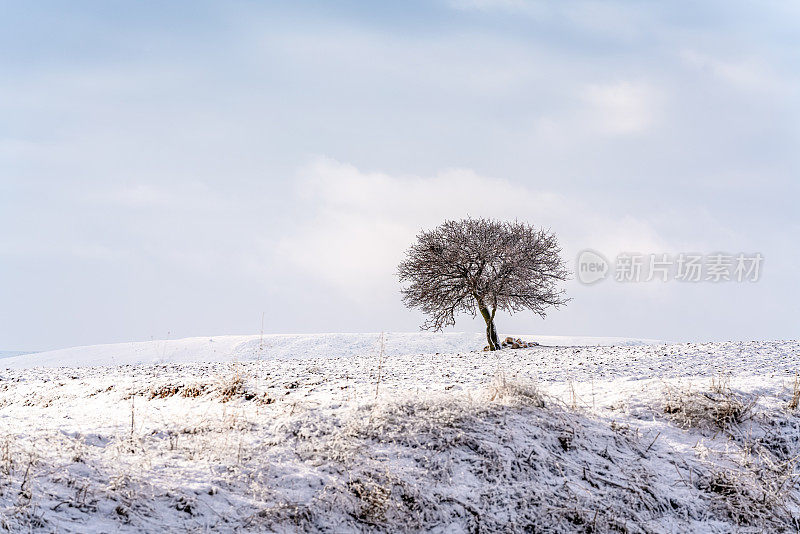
[591, 267]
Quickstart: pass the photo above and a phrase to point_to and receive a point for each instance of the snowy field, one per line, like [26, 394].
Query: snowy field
[11, 353]
[344, 433]
[238, 348]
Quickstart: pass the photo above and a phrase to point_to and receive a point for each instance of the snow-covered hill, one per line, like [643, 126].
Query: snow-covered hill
[12, 353]
[327, 434]
[242, 348]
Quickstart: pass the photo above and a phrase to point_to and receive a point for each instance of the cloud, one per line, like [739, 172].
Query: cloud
[611, 20]
[362, 222]
[186, 196]
[750, 74]
[622, 108]
[138, 195]
[492, 5]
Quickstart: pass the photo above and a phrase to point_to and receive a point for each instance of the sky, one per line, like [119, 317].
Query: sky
[190, 168]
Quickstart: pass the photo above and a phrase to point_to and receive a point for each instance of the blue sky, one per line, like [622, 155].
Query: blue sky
[178, 169]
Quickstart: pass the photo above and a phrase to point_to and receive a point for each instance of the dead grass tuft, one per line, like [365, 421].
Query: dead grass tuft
[193, 391]
[226, 389]
[234, 387]
[503, 389]
[297, 515]
[752, 494]
[165, 391]
[720, 408]
[231, 388]
[794, 402]
[373, 498]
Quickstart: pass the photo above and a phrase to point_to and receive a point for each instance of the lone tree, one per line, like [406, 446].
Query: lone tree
[482, 265]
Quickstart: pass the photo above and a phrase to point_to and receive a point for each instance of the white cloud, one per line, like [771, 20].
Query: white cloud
[491, 5]
[620, 21]
[138, 195]
[622, 108]
[615, 20]
[192, 195]
[363, 222]
[746, 73]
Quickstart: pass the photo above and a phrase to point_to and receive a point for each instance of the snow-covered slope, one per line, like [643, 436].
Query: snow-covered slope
[650, 438]
[243, 348]
[12, 353]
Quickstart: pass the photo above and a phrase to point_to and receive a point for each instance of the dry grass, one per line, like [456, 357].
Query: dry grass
[719, 408]
[164, 391]
[538, 466]
[502, 388]
[751, 477]
[754, 492]
[225, 389]
[506, 458]
[794, 402]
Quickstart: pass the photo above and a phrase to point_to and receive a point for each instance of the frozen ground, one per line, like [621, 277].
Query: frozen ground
[239, 348]
[12, 353]
[322, 433]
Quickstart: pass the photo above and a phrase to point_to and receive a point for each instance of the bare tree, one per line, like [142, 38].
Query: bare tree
[482, 265]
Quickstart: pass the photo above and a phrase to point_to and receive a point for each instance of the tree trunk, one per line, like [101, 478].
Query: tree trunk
[491, 331]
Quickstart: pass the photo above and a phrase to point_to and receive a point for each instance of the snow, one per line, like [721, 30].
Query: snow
[11, 353]
[241, 348]
[329, 433]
